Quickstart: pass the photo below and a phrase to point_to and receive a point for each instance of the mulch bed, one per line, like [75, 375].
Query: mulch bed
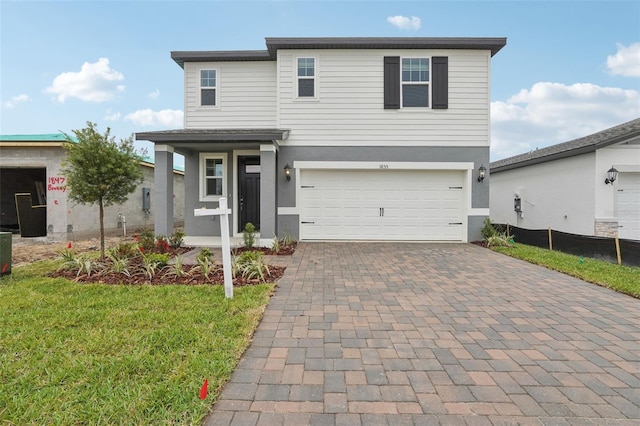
[192, 274]
[285, 250]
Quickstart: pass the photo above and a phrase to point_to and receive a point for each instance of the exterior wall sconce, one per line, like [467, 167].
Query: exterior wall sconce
[612, 175]
[287, 172]
[482, 172]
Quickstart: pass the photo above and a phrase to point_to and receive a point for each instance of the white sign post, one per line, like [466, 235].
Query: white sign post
[224, 213]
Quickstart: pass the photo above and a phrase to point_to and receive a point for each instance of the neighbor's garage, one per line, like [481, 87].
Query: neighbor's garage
[628, 206]
[408, 205]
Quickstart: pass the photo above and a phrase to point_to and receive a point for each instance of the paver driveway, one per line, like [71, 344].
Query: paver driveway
[386, 333]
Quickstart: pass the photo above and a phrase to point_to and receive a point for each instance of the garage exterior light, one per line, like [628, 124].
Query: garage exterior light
[287, 172]
[482, 171]
[612, 175]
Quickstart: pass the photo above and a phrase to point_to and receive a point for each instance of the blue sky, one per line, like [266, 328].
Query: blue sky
[570, 68]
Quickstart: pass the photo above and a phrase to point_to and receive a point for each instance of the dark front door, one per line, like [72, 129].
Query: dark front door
[249, 188]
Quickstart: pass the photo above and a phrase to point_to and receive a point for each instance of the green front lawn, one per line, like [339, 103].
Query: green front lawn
[96, 354]
[624, 279]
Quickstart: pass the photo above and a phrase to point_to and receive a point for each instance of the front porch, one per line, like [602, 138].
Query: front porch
[238, 164]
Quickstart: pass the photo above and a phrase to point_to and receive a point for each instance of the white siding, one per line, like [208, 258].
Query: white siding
[349, 108]
[246, 95]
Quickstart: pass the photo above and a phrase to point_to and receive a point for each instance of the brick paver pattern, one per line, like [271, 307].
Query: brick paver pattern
[397, 333]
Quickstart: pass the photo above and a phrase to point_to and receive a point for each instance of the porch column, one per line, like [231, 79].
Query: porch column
[267, 193]
[163, 190]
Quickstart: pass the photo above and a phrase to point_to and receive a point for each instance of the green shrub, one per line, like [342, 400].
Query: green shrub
[177, 239]
[161, 259]
[205, 263]
[68, 254]
[146, 240]
[250, 265]
[126, 250]
[249, 235]
[276, 245]
[488, 230]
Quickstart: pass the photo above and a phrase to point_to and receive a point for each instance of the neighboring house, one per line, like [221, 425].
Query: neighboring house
[382, 138]
[31, 164]
[566, 187]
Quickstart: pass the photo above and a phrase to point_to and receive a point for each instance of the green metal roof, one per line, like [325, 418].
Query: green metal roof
[46, 137]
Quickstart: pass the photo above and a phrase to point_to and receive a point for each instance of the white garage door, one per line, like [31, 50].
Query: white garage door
[406, 205]
[628, 206]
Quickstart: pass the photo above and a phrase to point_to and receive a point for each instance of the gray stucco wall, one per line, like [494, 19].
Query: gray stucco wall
[288, 224]
[203, 225]
[284, 195]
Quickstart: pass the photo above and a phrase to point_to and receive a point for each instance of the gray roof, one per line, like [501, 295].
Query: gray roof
[494, 44]
[213, 135]
[584, 145]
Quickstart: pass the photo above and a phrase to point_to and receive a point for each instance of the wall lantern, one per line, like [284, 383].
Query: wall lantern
[287, 172]
[612, 175]
[482, 171]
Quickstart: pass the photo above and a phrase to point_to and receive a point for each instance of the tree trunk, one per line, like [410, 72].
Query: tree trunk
[101, 230]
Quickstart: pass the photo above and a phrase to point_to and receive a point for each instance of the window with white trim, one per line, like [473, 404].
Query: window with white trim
[208, 87]
[306, 72]
[212, 176]
[415, 82]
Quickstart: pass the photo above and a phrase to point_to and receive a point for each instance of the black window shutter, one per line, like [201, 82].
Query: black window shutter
[391, 82]
[440, 89]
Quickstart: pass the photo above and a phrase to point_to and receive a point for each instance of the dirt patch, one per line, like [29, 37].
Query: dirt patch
[29, 250]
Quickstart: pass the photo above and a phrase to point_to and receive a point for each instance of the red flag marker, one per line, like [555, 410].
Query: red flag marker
[203, 389]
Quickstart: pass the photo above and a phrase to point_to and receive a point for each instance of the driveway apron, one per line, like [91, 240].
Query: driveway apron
[397, 333]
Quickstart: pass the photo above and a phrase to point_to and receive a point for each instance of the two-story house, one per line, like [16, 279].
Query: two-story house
[334, 138]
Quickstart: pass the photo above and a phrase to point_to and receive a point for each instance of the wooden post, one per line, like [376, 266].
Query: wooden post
[224, 213]
[550, 240]
[618, 250]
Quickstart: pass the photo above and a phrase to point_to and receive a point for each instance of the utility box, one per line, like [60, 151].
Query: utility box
[5, 253]
[146, 199]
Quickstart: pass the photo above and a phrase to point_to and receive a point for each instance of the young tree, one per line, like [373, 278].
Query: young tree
[100, 171]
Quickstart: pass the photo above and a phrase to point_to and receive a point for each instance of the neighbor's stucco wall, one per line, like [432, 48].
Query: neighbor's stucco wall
[558, 194]
[65, 218]
[85, 218]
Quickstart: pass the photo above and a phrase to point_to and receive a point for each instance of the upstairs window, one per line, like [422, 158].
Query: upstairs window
[415, 82]
[208, 87]
[306, 77]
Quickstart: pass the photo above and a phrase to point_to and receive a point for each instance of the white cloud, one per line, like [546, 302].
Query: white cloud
[15, 100]
[96, 82]
[164, 118]
[405, 23]
[112, 116]
[155, 94]
[551, 113]
[626, 61]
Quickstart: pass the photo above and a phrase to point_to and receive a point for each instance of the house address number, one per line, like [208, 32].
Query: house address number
[384, 166]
